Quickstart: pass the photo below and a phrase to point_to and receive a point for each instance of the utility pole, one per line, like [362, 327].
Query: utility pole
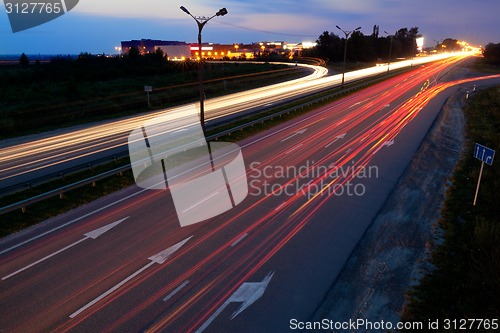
[390, 51]
[347, 34]
[201, 21]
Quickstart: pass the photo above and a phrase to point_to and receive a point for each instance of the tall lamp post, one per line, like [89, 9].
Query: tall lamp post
[390, 50]
[201, 21]
[347, 34]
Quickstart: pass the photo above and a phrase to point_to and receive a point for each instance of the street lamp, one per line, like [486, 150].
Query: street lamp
[390, 50]
[201, 21]
[347, 34]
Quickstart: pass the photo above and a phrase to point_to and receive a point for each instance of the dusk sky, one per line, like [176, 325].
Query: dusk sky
[97, 26]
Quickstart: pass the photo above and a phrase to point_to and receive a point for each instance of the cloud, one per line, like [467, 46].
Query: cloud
[115, 20]
[160, 9]
[282, 24]
[347, 6]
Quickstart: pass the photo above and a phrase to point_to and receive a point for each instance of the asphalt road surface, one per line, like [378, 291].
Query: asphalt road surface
[31, 157]
[123, 264]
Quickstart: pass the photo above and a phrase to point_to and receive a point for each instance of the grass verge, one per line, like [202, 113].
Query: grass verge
[465, 279]
[57, 103]
[484, 66]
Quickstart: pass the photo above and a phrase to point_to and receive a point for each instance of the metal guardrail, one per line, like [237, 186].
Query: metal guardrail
[60, 191]
[59, 175]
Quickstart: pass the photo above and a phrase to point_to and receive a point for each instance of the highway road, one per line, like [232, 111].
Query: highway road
[123, 264]
[27, 158]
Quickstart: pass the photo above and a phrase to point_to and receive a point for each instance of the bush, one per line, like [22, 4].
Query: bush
[492, 53]
[24, 60]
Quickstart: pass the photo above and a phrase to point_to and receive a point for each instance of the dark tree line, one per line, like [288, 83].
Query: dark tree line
[449, 45]
[93, 68]
[492, 53]
[366, 48]
[73, 75]
[24, 60]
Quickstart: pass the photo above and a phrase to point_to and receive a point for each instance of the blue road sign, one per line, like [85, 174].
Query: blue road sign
[484, 154]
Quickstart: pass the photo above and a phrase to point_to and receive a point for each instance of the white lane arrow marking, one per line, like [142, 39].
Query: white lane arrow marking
[247, 294]
[158, 258]
[389, 143]
[386, 144]
[302, 131]
[90, 235]
[102, 230]
[340, 137]
[161, 257]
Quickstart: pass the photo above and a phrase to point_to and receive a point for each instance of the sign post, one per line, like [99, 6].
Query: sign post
[485, 155]
[148, 89]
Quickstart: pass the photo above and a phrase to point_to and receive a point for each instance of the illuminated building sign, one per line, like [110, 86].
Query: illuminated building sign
[203, 48]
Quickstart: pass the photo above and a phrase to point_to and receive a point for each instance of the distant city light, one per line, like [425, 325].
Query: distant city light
[203, 48]
[308, 45]
[420, 44]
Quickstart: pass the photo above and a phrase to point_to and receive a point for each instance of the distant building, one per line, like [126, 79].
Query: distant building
[146, 46]
[175, 52]
[420, 44]
[215, 51]
[238, 51]
[180, 50]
